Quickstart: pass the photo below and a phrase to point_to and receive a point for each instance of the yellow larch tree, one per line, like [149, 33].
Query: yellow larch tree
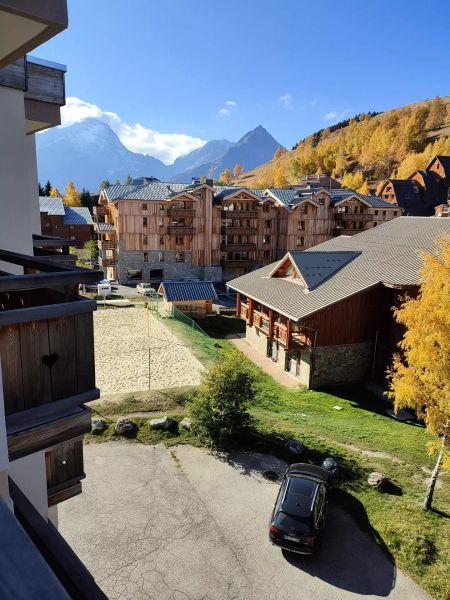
[420, 375]
[279, 176]
[72, 195]
[238, 170]
[55, 193]
[225, 177]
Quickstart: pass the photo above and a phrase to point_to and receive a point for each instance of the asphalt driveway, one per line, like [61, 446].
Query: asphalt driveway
[181, 524]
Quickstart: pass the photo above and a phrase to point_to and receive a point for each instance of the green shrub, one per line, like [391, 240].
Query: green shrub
[219, 408]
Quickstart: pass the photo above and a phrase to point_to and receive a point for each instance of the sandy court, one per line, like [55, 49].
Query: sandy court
[122, 353]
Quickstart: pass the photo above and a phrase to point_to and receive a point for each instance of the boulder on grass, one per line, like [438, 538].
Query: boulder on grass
[124, 426]
[296, 447]
[162, 423]
[378, 481]
[98, 425]
[186, 423]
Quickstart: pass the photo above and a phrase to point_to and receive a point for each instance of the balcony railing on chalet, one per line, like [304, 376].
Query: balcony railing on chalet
[341, 216]
[106, 245]
[238, 247]
[106, 262]
[176, 212]
[100, 210]
[46, 351]
[181, 230]
[240, 214]
[230, 229]
[237, 262]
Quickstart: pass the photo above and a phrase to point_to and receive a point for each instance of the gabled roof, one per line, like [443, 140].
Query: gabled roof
[338, 196]
[224, 192]
[51, 205]
[444, 160]
[77, 215]
[408, 196]
[156, 190]
[315, 267]
[388, 254]
[185, 291]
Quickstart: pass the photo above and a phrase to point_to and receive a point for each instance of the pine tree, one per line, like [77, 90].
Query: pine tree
[104, 184]
[129, 179]
[238, 170]
[437, 114]
[41, 189]
[420, 377]
[86, 199]
[47, 188]
[117, 182]
[225, 177]
[72, 196]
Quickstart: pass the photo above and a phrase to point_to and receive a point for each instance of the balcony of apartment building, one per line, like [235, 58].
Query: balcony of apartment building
[47, 357]
[240, 210]
[181, 226]
[291, 335]
[238, 243]
[181, 209]
[235, 258]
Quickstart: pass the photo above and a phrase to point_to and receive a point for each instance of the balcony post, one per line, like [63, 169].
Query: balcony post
[251, 306]
[238, 305]
[288, 334]
[270, 323]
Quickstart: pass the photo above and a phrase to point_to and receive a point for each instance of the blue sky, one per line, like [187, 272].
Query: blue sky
[205, 69]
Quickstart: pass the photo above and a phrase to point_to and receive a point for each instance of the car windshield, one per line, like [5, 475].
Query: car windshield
[286, 522]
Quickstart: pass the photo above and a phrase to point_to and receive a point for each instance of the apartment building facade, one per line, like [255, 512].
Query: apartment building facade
[46, 330]
[71, 222]
[170, 231]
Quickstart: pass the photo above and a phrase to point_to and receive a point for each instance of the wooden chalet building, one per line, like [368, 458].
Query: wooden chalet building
[47, 372]
[193, 298]
[157, 231]
[73, 223]
[325, 315]
[423, 190]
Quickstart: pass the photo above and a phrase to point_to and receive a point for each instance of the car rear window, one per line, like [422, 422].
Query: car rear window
[287, 522]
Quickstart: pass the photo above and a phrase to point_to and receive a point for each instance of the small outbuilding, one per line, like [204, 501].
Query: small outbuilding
[193, 298]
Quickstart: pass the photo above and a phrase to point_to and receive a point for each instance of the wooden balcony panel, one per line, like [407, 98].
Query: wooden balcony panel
[181, 230]
[100, 209]
[107, 262]
[64, 467]
[31, 433]
[181, 212]
[237, 247]
[240, 214]
[339, 216]
[106, 245]
[45, 82]
[238, 230]
[237, 263]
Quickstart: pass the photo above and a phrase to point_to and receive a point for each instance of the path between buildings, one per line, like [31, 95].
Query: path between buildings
[184, 524]
[265, 363]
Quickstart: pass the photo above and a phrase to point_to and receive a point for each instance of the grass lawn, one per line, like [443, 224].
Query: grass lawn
[363, 438]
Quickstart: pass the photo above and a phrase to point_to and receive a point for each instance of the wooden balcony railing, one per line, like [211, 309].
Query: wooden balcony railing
[238, 262]
[106, 262]
[181, 230]
[181, 212]
[238, 230]
[240, 214]
[100, 209]
[341, 216]
[46, 351]
[261, 320]
[225, 246]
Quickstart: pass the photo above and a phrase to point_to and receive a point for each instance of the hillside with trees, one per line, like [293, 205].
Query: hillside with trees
[363, 151]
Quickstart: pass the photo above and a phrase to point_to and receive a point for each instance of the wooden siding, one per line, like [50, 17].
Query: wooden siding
[64, 467]
[46, 360]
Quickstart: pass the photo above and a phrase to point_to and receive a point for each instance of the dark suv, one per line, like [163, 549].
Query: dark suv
[301, 507]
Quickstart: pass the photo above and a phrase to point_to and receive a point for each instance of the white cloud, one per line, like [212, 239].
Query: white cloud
[226, 110]
[286, 101]
[337, 116]
[137, 138]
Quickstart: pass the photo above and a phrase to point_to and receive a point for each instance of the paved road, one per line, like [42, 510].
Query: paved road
[184, 525]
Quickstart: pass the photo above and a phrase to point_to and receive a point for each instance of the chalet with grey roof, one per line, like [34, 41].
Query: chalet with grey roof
[193, 298]
[168, 231]
[325, 315]
[73, 223]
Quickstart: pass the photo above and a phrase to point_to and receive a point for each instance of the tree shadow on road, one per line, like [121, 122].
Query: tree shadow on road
[352, 556]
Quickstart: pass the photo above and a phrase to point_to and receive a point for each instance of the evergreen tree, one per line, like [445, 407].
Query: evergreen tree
[129, 179]
[104, 184]
[86, 199]
[47, 188]
[117, 182]
[41, 190]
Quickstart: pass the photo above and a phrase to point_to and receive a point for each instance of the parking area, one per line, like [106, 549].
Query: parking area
[182, 524]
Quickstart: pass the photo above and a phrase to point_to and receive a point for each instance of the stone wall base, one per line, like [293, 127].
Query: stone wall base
[171, 270]
[348, 363]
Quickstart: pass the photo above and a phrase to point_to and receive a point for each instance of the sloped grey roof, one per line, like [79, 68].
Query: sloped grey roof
[51, 205]
[105, 226]
[156, 190]
[315, 267]
[285, 196]
[77, 215]
[183, 291]
[374, 201]
[388, 254]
